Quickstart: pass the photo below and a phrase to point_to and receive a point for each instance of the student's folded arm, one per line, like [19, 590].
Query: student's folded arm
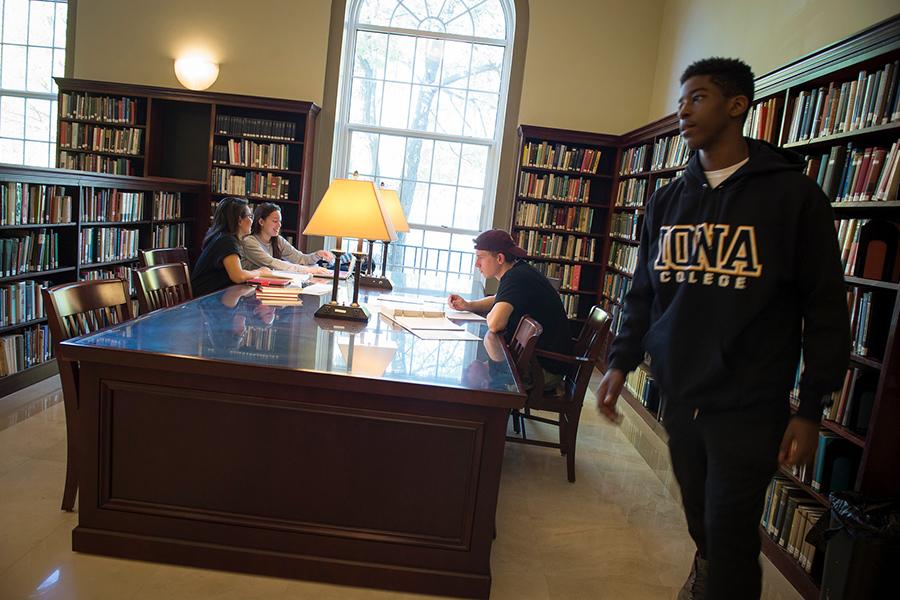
[232, 264]
[255, 254]
[498, 317]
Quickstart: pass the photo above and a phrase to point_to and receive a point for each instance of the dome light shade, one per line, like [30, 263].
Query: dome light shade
[196, 72]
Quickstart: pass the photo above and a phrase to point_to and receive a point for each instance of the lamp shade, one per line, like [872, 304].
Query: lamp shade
[196, 72]
[352, 208]
[391, 201]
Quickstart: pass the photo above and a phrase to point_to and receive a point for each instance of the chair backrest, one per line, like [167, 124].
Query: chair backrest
[523, 343]
[162, 256]
[161, 286]
[82, 307]
[589, 345]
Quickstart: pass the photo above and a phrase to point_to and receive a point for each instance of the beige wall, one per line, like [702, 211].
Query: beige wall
[765, 33]
[265, 48]
[590, 63]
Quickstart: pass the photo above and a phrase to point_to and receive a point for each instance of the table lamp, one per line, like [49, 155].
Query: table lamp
[395, 212]
[350, 208]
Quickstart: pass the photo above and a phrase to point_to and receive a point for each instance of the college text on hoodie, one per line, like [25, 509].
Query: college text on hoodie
[730, 280]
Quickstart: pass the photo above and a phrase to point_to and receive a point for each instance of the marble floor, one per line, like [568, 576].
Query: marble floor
[617, 533]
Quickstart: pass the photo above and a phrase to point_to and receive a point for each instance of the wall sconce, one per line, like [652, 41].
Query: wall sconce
[196, 72]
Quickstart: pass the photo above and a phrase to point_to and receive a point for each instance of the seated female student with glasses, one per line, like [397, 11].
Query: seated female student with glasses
[264, 247]
[219, 265]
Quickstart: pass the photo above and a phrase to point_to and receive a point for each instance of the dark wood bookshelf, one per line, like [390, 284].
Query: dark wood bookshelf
[563, 290]
[873, 207]
[113, 223]
[36, 226]
[102, 123]
[789, 567]
[613, 300]
[22, 325]
[871, 283]
[807, 488]
[260, 169]
[625, 240]
[172, 221]
[564, 172]
[30, 376]
[619, 271]
[572, 232]
[561, 260]
[35, 274]
[866, 361]
[254, 138]
[101, 153]
[560, 202]
[648, 417]
[254, 198]
[863, 134]
[110, 263]
[845, 433]
[628, 208]
[634, 175]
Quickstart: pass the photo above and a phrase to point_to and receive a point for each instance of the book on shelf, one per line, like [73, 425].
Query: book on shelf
[870, 314]
[269, 129]
[669, 153]
[625, 225]
[616, 286]
[21, 302]
[643, 387]
[559, 246]
[96, 163]
[852, 406]
[549, 216]
[104, 244]
[81, 136]
[112, 206]
[788, 515]
[634, 160]
[848, 174]
[263, 185]
[869, 100]
[24, 349]
[835, 465]
[123, 272]
[248, 153]
[166, 205]
[568, 275]
[623, 256]
[34, 204]
[169, 235]
[109, 109]
[548, 155]
[554, 187]
[570, 304]
[631, 193]
[763, 118]
[38, 250]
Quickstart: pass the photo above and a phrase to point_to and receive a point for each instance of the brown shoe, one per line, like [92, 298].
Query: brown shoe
[695, 586]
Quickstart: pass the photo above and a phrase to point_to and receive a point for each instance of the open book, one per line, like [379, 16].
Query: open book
[427, 323]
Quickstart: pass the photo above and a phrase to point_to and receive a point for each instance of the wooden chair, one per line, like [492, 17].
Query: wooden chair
[161, 286]
[163, 256]
[568, 398]
[75, 309]
[556, 282]
[521, 348]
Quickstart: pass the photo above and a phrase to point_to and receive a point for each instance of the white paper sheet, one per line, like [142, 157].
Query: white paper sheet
[317, 289]
[443, 334]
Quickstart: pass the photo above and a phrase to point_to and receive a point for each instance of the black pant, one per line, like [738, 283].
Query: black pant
[723, 462]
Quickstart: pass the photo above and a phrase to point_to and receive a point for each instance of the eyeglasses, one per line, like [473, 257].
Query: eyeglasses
[246, 216]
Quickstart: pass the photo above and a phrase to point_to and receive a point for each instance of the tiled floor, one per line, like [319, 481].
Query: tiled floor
[617, 533]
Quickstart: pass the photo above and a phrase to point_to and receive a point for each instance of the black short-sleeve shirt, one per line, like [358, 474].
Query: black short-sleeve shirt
[530, 293]
[209, 273]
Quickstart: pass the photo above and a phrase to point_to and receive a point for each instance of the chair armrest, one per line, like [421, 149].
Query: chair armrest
[562, 357]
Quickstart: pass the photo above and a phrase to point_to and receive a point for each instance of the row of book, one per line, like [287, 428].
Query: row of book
[848, 174]
[559, 156]
[551, 216]
[623, 256]
[30, 253]
[763, 120]
[631, 193]
[264, 185]
[670, 152]
[21, 302]
[616, 286]
[554, 245]
[112, 206]
[24, 349]
[266, 129]
[104, 244]
[109, 109]
[625, 225]
[788, 515]
[246, 153]
[122, 272]
[569, 275]
[870, 248]
[555, 187]
[166, 205]
[834, 468]
[634, 160]
[96, 164]
[871, 99]
[34, 204]
[170, 236]
[570, 303]
[663, 181]
[615, 314]
[852, 406]
[80, 136]
[642, 386]
[870, 314]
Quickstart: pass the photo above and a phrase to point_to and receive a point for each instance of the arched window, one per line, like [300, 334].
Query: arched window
[422, 96]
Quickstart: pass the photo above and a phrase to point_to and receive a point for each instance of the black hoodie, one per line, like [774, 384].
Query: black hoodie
[730, 279]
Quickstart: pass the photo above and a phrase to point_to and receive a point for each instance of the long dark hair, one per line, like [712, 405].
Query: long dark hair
[262, 213]
[227, 218]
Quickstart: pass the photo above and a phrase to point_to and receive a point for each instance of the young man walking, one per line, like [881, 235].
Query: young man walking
[738, 267]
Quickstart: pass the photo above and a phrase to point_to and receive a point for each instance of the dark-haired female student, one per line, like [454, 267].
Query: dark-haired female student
[264, 247]
[219, 265]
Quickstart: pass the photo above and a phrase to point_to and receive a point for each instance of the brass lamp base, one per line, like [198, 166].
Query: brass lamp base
[333, 310]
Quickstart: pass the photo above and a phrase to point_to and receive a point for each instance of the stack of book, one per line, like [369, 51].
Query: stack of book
[788, 516]
[848, 174]
[762, 120]
[275, 290]
[559, 156]
[26, 204]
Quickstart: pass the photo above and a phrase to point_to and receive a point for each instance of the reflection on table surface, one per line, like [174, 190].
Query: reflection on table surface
[233, 326]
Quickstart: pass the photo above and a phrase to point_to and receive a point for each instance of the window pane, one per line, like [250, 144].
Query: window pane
[37, 120]
[428, 61]
[377, 12]
[468, 208]
[13, 76]
[371, 48]
[401, 51]
[363, 150]
[391, 150]
[423, 108]
[481, 115]
[418, 159]
[395, 105]
[450, 111]
[419, 204]
[365, 101]
[40, 23]
[440, 206]
[489, 21]
[473, 165]
[12, 116]
[487, 62]
[15, 20]
[405, 19]
[40, 69]
[53, 105]
[60, 25]
[59, 66]
[446, 162]
[37, 154]
[11, 151]
[461, 24]
[455, 72]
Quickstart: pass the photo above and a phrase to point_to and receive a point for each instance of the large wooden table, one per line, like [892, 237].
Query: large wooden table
[224, 434]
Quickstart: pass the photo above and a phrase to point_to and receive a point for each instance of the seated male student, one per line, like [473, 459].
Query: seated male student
[523, 290]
